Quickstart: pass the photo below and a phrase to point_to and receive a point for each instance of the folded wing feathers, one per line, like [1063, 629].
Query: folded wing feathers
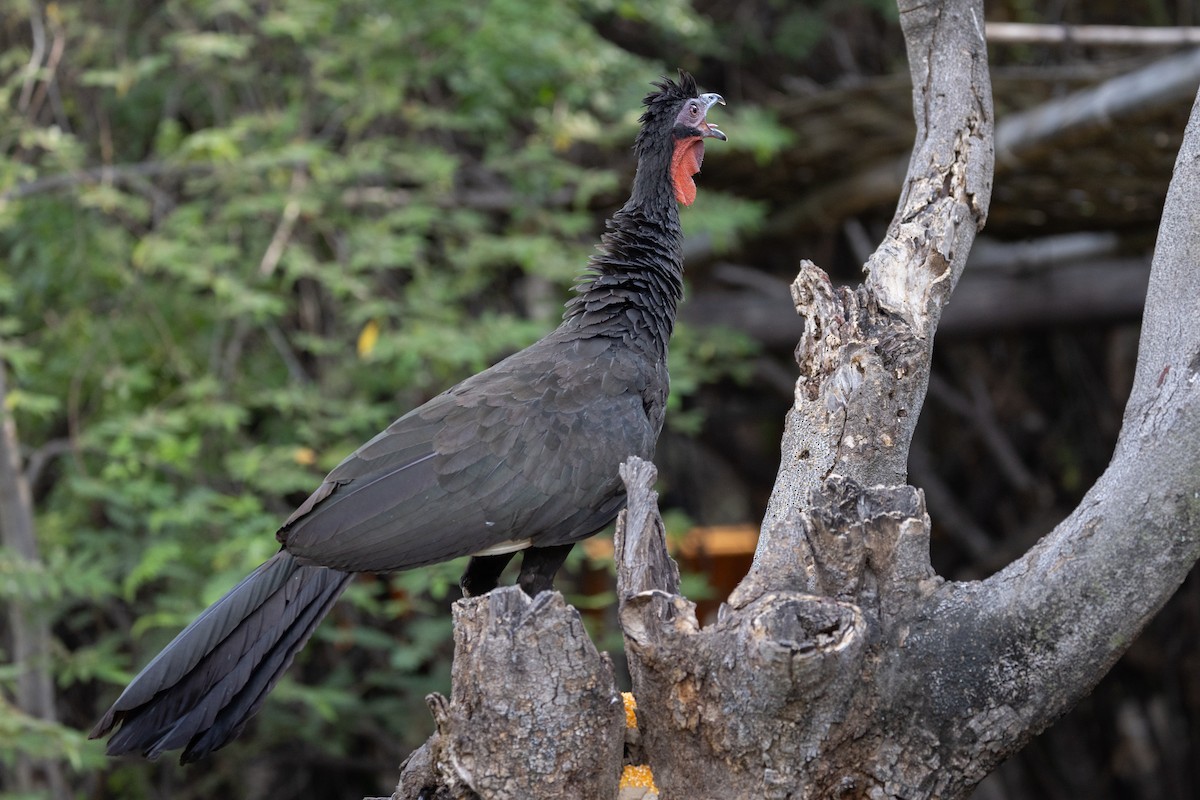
[501, 456]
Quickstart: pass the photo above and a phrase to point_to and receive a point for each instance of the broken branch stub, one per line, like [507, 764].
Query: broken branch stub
[768, 701]
[865, 353]
[861, 367]
[546, 722]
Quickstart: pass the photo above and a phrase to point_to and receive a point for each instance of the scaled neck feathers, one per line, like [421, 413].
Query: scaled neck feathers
[634, 284]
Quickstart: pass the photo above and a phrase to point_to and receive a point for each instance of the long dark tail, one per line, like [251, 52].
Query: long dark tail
[201, 689]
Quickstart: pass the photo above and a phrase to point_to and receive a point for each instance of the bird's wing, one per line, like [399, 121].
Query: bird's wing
[525, 451]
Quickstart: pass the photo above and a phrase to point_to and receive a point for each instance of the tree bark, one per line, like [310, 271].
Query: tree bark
[28, 630]
[533, 705]
[843, 666]
[864, 357]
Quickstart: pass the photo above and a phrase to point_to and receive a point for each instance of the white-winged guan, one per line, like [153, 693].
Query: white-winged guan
[522, 456]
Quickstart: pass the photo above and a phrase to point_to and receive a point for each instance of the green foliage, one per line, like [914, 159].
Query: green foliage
[320, 215]
[759, 132]
[704, 355]
[21, 734]
[723, 219]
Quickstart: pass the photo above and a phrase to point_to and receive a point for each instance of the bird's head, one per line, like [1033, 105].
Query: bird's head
[676, 121]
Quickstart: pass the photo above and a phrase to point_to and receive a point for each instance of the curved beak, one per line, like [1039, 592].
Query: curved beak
[709, 130]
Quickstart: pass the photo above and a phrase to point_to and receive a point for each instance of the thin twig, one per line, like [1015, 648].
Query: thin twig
[287, 223]
[953, 519]
[57, 48]
[978, 412]
[37, 30]
[1166, 83]
[284, 348]
[1124, 35]
[40, 458]
[107, 174]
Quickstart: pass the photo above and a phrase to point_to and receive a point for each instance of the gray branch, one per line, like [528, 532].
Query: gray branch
[1029, 642]
[864, 356]
[1023, 136]
[988, 299]
[1119, 35]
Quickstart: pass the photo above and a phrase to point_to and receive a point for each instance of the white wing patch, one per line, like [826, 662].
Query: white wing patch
[500, 548]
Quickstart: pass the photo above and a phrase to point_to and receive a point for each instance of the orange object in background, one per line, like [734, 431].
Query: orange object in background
[723, 553]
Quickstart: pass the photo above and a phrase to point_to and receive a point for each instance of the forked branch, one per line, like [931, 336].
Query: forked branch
[843, 667]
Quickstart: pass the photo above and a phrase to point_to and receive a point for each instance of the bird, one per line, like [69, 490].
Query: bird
[522, 457]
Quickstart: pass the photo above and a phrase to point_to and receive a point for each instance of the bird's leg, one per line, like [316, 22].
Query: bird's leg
[483, 573]
[538, 566]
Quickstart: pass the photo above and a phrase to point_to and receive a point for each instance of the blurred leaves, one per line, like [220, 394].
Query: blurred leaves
[40, 739]
[238, 240]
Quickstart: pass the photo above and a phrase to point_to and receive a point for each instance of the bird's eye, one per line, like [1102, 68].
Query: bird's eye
[694, 108]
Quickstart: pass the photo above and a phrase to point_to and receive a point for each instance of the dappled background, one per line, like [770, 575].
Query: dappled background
[237, 238]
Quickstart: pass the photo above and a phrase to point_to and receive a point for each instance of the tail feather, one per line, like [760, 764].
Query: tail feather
[198, 693]
[233, 717]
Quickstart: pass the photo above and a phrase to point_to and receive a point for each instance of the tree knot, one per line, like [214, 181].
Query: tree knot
[869, 544]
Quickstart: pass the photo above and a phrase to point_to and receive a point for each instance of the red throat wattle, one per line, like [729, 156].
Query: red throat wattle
[685, 162]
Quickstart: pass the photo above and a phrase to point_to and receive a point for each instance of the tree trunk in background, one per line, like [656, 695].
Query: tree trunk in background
[29, 634]
[843, 666]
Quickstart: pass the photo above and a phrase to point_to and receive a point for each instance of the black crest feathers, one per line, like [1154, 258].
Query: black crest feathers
[662, 105]
[669, 92]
